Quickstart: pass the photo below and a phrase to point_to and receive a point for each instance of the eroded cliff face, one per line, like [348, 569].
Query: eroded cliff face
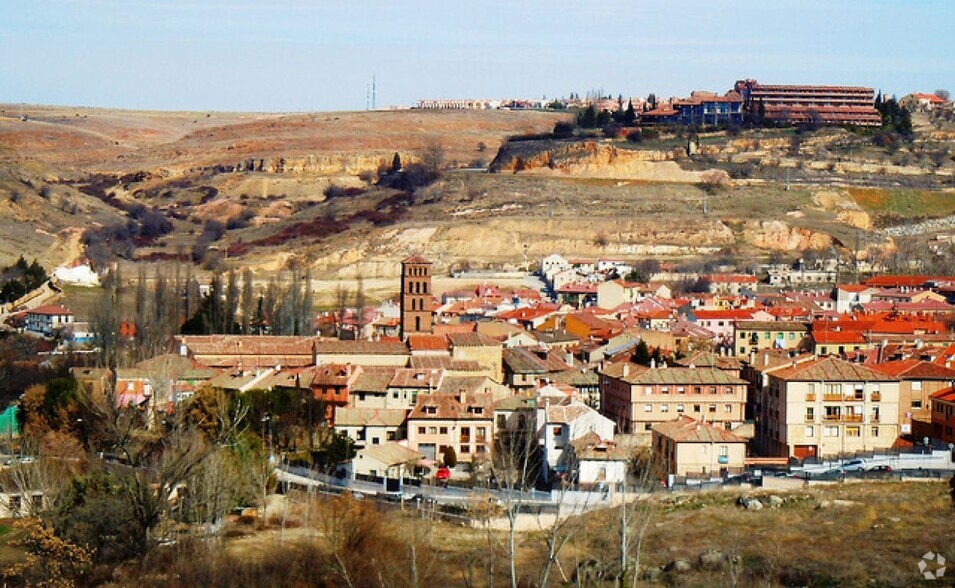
[591, 159]
[513, 240]
[780, 236]
[319, 164]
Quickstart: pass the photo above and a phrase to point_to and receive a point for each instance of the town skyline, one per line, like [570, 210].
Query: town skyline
[295, 56]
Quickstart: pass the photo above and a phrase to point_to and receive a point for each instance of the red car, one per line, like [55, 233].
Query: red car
[443, 474]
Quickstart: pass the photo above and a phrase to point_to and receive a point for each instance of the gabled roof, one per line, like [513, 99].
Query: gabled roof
[373, 379]
[562, 414]
[391, 454]
[425, 379]
[445, 362]
[449, 407]
[689, 430]
[415, 259]
[337, 347]
[427, 343]
[472, 340]
[831, 369]
[50, 310]
[670, 376]
[771, 326]
[369, 417]
[914, 369]
[945, 395]
[590, 447]
[838, 337]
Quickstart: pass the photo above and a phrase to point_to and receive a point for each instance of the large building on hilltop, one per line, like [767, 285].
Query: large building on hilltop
[416, 296]
[836, 105]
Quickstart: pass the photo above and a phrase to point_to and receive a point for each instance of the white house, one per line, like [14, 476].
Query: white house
[594, 462]
[46, 320]
[552, 264]
[562, 424]
[388, 460]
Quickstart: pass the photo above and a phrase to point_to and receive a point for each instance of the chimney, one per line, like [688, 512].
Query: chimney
[653, 364]
[765, 359]
[462, 395]
[626, 370]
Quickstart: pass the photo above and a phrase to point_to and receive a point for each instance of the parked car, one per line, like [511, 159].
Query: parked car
[853, 465]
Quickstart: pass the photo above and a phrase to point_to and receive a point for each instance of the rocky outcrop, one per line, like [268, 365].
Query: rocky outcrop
[779, 236]
[590, 159]
[319, 164]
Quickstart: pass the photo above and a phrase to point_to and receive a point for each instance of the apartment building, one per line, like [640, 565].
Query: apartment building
[462, 421]
[827, 407]
[636, 397]
[791, 104]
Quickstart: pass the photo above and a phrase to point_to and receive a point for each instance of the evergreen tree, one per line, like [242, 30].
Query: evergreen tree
[630, 115]
[641, 355]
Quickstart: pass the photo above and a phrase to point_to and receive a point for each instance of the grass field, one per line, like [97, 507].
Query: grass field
[904, 203]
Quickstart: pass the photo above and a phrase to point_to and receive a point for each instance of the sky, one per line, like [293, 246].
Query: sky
[321, 55]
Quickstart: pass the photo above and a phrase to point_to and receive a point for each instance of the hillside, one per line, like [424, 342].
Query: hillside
[154, 186]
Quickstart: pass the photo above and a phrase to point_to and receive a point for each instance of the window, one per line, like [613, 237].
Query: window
[501, 421]
[421, 430]
[665, 390]
[14, 503]
[697, 389]
[444, 430]
[916, 403]
[810, 413]
[679, 408]
[556, 431]
[712, 408]
[361, 434]
[810, 431]
[647, 426]
[647, 408]
[680, 390]
[727, 408]
[853, 431]
[649, 390]
[664, 408]
[375, 441]
[792, 336]
[724, 450]
[390, 435]
[696, 408]
[729, 390]
[875, 431]
[830, 431]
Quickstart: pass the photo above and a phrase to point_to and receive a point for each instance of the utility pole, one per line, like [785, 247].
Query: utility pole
[374, 93]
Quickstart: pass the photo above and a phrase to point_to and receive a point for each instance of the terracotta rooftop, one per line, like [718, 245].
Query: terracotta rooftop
[369, 417]
[831, 369]
[449, 407]
[914, 369]
[566, 414]
[426, 379]
[472, 340]
[337, 347]
[671, 376]
[689, 430]
[50, 309]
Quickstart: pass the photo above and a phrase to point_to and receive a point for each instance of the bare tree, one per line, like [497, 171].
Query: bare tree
[943, 94]
[360, 308]
[248, 301]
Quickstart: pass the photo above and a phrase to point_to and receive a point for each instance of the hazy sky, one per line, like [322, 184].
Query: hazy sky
[298, 55]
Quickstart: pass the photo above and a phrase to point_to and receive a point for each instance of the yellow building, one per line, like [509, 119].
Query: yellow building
[688, 447]
[827, 407]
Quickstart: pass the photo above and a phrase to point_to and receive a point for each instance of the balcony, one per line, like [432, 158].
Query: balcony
[874, 418]
[811, 397]
[832, 397]
[854, 398]
[810, 419]
[876, 396]
[853, 418]
[832, 418]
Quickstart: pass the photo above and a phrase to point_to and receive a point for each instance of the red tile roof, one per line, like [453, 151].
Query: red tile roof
[832, 370]
[689, 430]
[50, 309]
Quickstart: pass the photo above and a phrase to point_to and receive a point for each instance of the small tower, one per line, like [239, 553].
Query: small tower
[416, 296]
